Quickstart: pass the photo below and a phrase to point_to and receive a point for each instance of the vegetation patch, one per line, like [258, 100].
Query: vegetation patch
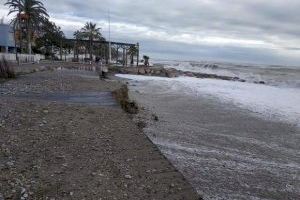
[122, 97]
[6, 70]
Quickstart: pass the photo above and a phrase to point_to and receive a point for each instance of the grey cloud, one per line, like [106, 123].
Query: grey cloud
[271, 21]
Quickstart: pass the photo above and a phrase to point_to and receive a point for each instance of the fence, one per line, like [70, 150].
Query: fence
[70, 57]
[23, 58]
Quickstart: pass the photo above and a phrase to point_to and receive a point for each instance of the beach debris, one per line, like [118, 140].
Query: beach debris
[155, 117]
[24, 194]
[122, 97]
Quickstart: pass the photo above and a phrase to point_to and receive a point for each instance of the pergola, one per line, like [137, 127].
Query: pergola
[102, 49]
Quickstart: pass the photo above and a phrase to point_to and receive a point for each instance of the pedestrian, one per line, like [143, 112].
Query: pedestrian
[104, 69]
[98, 66]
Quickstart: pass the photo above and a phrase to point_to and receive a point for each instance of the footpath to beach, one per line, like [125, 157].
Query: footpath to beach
[64, 136]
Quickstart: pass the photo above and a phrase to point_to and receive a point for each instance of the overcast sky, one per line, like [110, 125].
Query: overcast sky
[255, 31]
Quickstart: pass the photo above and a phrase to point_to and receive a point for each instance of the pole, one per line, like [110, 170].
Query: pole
[123, 56]
[109, 44]
[16, 48]
[20, 27]
[52, 56]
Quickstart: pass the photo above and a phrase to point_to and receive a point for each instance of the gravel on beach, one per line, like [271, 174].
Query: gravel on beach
[57, 150]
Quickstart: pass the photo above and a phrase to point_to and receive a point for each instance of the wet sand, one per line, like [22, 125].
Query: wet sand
[226, 152]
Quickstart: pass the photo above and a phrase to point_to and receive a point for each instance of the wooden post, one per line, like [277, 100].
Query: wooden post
[126, 57]
[117, 55]
[60, 50]
[74, 50]
[137, 54]
[123, 56]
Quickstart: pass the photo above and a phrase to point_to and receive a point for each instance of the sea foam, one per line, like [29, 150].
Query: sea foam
[268, 102]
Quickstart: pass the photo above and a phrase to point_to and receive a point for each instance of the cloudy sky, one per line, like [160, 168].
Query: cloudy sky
[255, 31]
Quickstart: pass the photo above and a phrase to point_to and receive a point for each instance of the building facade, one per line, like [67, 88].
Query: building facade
[7, 43]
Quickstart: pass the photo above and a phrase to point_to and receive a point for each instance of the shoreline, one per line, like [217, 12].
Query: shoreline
[223, 150]
[48, 146]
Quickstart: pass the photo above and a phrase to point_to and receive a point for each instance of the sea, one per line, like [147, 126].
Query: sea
[278, 99]
[231, 140]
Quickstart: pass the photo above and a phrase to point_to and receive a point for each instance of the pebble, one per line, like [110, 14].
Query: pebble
[10, 164]
[128, 177]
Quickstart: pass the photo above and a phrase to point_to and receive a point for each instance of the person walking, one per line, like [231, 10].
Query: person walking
[104, 70]
[98, 67]
[101, 68]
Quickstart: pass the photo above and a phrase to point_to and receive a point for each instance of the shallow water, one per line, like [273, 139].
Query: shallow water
[84, 98]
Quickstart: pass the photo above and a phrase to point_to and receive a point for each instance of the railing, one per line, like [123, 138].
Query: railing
[23, 58]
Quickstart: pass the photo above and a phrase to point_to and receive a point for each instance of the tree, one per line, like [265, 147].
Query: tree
[78, 36]
[91, 32]
[49, 35]
[146, 60]
[133, 50]
[30, 14]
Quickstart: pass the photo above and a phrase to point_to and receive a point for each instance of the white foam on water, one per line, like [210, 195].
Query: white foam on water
[269, 102]
[283, 76]
[200, 68]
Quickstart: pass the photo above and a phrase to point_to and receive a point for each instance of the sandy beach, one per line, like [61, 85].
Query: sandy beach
[63, 136]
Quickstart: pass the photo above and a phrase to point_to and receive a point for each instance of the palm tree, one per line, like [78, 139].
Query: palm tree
[78, 36]
[146, 60]
[91, 32]
[30, 13]
[132, 52]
